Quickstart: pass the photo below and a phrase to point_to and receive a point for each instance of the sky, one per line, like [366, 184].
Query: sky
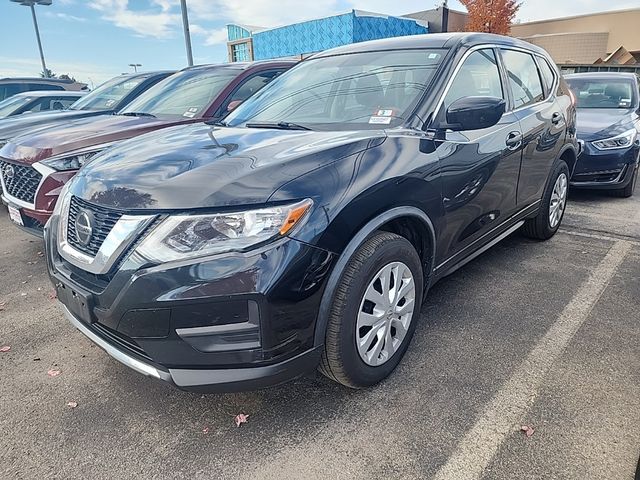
[94, 40]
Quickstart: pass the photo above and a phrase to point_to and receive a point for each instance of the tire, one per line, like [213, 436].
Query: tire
[627, 191]
[342, 360]
[540, 227]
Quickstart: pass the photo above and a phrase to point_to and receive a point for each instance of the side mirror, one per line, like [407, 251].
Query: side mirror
[233, 104]
[475, 113]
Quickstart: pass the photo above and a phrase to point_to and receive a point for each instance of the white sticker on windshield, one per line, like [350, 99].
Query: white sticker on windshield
[380, 120]
[384, 113]
[189, 114]
[108, 103]
[624, 102]
[193, 109]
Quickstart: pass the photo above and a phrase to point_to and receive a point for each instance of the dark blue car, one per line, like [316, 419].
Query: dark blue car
[608, 127]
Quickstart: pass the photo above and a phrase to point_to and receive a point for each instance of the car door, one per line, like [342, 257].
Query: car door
[479, 168]
[540, 119]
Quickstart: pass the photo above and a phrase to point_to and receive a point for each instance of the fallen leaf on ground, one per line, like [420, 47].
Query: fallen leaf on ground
[23, 294]
[72, 404]
[205, 430]
[528, 430]
[5, 348]
[54, 373]
[240, 419]
[53, 296]
[40, 254]
[37, 359]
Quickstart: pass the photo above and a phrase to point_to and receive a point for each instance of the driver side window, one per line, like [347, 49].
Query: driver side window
[479, 76]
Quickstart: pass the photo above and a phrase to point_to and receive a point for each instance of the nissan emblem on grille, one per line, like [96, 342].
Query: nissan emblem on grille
[84, 227]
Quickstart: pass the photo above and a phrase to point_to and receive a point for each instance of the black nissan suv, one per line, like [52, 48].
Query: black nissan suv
[305, 230]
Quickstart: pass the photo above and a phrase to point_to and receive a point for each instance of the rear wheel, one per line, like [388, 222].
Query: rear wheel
[545, 225]
[374, 311]
[627, 191]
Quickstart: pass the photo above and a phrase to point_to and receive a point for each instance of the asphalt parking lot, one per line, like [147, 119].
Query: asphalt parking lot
[542, 335]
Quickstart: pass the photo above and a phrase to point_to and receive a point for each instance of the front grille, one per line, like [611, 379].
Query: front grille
[104, 220]
[21, 181]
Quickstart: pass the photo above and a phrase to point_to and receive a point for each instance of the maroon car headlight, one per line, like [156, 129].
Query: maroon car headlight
[181, 237]
[75, 160]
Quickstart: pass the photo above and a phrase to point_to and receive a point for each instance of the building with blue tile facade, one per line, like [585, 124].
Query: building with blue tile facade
[247, 43]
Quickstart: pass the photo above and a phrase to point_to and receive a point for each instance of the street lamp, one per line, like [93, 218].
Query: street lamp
[187, 35]
[32, 3]
[135, 66]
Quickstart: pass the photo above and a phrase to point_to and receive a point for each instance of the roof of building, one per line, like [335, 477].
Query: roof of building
[561, 19]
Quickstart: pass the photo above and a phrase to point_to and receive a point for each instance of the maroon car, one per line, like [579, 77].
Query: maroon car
[35, 166]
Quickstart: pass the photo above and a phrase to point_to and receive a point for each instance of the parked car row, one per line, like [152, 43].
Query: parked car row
[236, 226]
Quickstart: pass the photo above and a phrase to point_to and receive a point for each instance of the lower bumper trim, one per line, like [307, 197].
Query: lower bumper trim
[120, 356]
[213, 380]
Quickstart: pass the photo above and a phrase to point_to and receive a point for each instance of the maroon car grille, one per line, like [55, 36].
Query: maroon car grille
[104, 220]
[20, 181]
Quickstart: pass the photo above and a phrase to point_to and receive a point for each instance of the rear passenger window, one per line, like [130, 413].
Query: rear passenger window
[478, 76]
[547, 74]
[524, 78]
[43, 86]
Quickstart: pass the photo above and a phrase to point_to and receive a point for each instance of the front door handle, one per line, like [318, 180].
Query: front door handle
[514, 140]
[555, 118]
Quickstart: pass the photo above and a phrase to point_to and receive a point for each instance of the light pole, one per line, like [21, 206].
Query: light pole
[135, 66]
[187, 35]
[32, 3]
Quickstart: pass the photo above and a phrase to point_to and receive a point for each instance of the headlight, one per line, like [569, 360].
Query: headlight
[623, 140]
[187, 236]
[75, 160]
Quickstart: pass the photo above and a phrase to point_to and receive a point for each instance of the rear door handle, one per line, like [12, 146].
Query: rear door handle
[514, 140]
[555, 118]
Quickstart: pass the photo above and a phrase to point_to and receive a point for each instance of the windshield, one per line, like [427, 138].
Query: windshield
[603, 92]
[108, 95]
[11, 104]
[354, 91]
[184, 94]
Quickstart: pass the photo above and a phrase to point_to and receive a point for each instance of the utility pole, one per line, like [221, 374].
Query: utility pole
[31, 4]
[187, 35]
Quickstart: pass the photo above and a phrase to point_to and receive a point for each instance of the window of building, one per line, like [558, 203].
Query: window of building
[479, 76]
[240, 52]
[523, 78]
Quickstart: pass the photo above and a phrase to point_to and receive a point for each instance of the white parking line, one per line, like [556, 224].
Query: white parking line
[502, 415]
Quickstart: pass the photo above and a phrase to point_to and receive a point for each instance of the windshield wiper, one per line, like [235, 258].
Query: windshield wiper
[137, 114]
[278, 125]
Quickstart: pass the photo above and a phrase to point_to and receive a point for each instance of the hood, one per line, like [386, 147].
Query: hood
[599, 123]
[57, 139]
[202, 166]
[14, 126]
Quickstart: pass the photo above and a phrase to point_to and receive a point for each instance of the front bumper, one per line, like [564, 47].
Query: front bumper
[607, 170]
[223, 323]
[204, 380]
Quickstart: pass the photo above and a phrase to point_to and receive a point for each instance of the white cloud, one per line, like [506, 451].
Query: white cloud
[65, 16]
[145, 23]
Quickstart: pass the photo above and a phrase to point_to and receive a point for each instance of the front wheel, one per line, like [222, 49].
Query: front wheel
[374, 311]
[545, 225]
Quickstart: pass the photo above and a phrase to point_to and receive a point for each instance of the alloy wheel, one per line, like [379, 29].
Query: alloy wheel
[558, 200]
[385, 313]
